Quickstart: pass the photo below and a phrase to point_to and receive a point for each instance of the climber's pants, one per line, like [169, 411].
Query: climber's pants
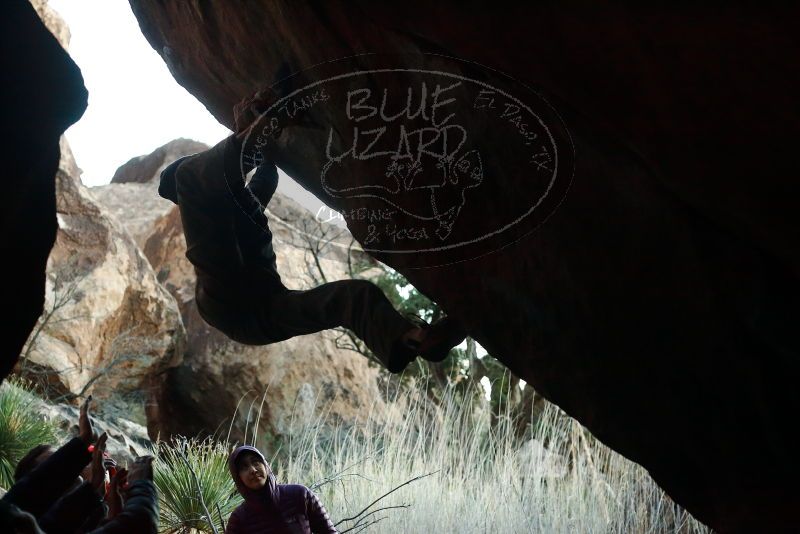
[243, 297]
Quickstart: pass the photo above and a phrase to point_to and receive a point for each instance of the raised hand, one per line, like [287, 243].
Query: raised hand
[85, 430]
[98, 469]
[114, 495]
[142, 469]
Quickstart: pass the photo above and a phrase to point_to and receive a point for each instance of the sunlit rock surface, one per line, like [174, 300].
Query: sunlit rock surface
[110, 328]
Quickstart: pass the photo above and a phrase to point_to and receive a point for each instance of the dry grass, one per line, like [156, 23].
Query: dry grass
[481, 477]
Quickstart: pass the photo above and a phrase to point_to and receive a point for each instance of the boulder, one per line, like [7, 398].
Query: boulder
[109, 327]
[145, 169]
[654, 296]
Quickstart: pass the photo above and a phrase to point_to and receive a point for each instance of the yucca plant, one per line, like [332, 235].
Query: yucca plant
[194, 483]
[21, 428]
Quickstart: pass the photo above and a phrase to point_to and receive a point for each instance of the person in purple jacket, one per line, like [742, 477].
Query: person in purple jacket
[269, 507]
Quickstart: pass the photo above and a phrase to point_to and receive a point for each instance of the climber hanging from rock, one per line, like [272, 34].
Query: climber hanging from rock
[239, 290]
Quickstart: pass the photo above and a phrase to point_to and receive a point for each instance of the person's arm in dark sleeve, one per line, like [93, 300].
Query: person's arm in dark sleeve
[318, 518]
[72, 510]
[140, 515]
[37, 491]
[264, 182]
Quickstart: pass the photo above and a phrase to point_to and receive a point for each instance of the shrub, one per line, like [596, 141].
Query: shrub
[180, 468]
[21, 428]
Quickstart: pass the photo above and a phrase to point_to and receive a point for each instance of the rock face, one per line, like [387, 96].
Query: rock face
[52, 21]
[297, 379]
[43, 94]
[664, 285]
[110, 328]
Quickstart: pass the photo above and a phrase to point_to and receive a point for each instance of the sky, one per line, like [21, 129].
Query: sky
[135, 105]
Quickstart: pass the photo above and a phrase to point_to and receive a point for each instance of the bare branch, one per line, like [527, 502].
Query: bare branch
[338, 478]
[365, 527]
[406, 483]
[221, 520]
[200, 494]
[349, 467]
[382, 509]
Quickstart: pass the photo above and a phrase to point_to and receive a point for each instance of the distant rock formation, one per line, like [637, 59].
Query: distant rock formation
[126, 439]
[145, 169]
